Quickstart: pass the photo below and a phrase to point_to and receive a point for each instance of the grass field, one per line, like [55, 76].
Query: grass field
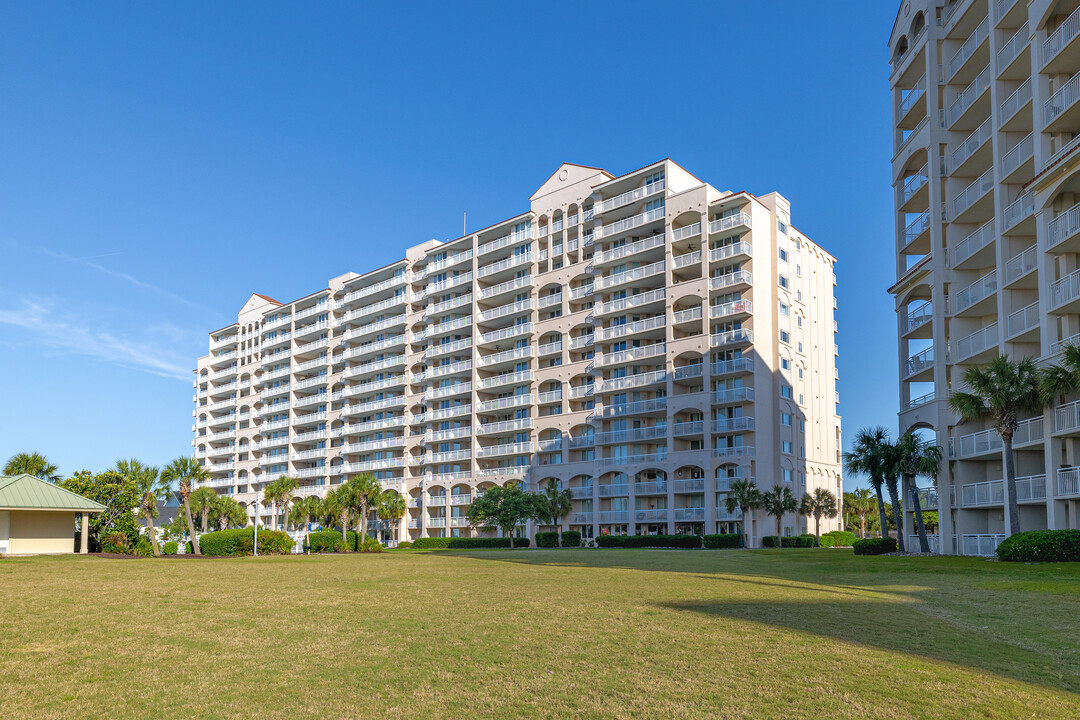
[539, 634]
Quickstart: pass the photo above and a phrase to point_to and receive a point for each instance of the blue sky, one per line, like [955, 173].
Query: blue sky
[160, 162]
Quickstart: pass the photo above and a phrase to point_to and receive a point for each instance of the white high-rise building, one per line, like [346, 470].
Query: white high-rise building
[642, 339]
[986, 177]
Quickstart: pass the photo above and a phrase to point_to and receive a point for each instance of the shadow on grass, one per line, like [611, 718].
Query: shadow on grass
[916, 607]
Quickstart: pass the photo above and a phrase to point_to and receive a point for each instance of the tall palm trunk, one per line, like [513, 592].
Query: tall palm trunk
[150, 531]
[345, 527]
[881, 512]
[746, 524]
[191, 526]
[1010, 483]
[817, 526]
[362, 523]
[779, 542]
[897, 513]
[916, 507]
[206, 519]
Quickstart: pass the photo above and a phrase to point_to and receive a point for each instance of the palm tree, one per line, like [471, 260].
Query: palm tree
[336, 507]
[1000, 393]
[32, 463]
[363, 494]
[821, 503]
[867, 458]
[392, 507]
[553, 504]
[185, 472]
[279, 493]
[743, 495]
[150, 489]
[202, 501]
[778, 502]
[228, 512]
[917, 458]
[860, 503]
[890, 454]
[304, 509]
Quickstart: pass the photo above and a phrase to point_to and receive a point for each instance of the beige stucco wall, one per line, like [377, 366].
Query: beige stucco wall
[41, 532]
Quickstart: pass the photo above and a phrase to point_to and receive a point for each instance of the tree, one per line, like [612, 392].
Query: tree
[202, 501]
[503, 507]
[149, 488]
[820, 503]
[867, 458]
[1000, 393]
[890, 454]
[32, 463]
[916, 458]
[185, 472]
[304, 509]
[392, 507]
[744, 496]
[336, 507]
[859, 503]
[552, 504]
[226, 511]
[362, 494]
[778, 502]
[117, 493]
[279, 493]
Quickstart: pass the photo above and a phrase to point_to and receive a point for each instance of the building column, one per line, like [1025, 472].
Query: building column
[84, 534]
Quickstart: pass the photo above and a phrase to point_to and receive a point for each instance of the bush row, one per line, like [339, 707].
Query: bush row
[550, 539]
[791, 541]
[640, 541]
[723, 540]
[1041, 546]
[242, 542]
[462, 543]
[330, 541]
[874, 546]
[837, 538]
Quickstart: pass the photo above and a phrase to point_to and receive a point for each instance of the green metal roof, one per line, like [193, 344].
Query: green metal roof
[26, 492]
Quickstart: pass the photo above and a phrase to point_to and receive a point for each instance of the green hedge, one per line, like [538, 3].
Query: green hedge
[242, 542]
[547, 539]
[788, 541]
[657, 541]
[1041, 546]
[405, 545]
[571, 538]
[330, 541]
[723, 540]
[837, 538]
[170, 548]
[460, 543]
[874, 546]
[806, 541]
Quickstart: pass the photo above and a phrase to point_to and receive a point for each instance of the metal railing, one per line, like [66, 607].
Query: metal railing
[1023, 319]
[1061, 37]
[967, 97]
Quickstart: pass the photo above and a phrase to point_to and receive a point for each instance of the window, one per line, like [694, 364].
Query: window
[783, 254]
[783, 228]
[798, 270]
[800, 373]
[785, 391]
[785, 310]
[785, 419]
[783, 282]
[785, 337]
[788, 475]
[785, 363]
[798, 320]
[786, 447]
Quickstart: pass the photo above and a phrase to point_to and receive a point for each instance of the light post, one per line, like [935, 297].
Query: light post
[255, 550]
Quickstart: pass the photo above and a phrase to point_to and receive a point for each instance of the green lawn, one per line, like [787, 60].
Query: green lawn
[540, 634]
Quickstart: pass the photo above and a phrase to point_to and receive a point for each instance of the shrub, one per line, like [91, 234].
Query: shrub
[115, 542]
[837, 538]
[326, 541]
[874, 546]
[242, 542]
[460, 543]
[571, 538]
[1041, 546]
[547, 539]
[370, 545]
[806, 541]
[404, 545]
[189, 548]
[788, 541]
[723, 540]
[170, 548]
[143, 547]
[654, 541]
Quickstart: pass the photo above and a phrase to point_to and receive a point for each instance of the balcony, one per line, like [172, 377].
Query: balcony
[969, 199]
[919, 363]
[733, 395]
[732, 337]
[1022, 321]
[638, 246]
[440, 307]
[975, 293]
[1009, 110]
[630, 196]
[505, 241]
[970, 346]
[917, 317]
[731, 280]
[912, 98]
[617, 517]
[506, 287]
[1068, 482]
[504, 356]
[633, 381]
[509, 309]
[727, 425]
[988, 442]
[505, 403]
[1021, 264]
[741, 248]
[729, 222]
[505, 427]
[626, 356]
[734, 453]
[633, 275]
[641, 459]
[916, 229]
[685, 233]
[1063, 230]
[687, 260]
[458, 388]
[1056, 111]
[633, 328]
[449, 456]
[966, 51]
[451, 282]
[634, 301]
[450, 434]
[1021, 208]
[974, 147]
[737, 308]
[1018, 164]
[630, 223]
[580, 518]
[398, 279]
[1065, 293]
[655, 405]
[504, 264]
[445, 348]
[506, 333]
[502, 449]
[1067, 419]
[967, 99]
[1060, 51]
[513, 378]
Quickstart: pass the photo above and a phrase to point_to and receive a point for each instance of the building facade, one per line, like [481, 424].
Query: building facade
[987, 221]
[641, 339]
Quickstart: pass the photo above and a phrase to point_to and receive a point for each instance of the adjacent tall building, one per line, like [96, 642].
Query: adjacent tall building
[986, 127]
[642, 339]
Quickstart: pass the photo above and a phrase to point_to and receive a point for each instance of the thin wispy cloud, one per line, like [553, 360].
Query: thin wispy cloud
[67, 336]
[126, 277]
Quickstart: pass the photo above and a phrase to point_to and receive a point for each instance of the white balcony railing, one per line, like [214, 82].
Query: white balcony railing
[966, 98]
[1023, 319]
[630, 223]
[1065, 290]
[1021, 264]
[1061, 100]
[978, 341]
[1061, 37]
[631, 196]
[981, 289]
[970, 144]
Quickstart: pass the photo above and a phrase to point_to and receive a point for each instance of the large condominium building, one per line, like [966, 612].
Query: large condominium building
[642, 339]
[986, 175]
